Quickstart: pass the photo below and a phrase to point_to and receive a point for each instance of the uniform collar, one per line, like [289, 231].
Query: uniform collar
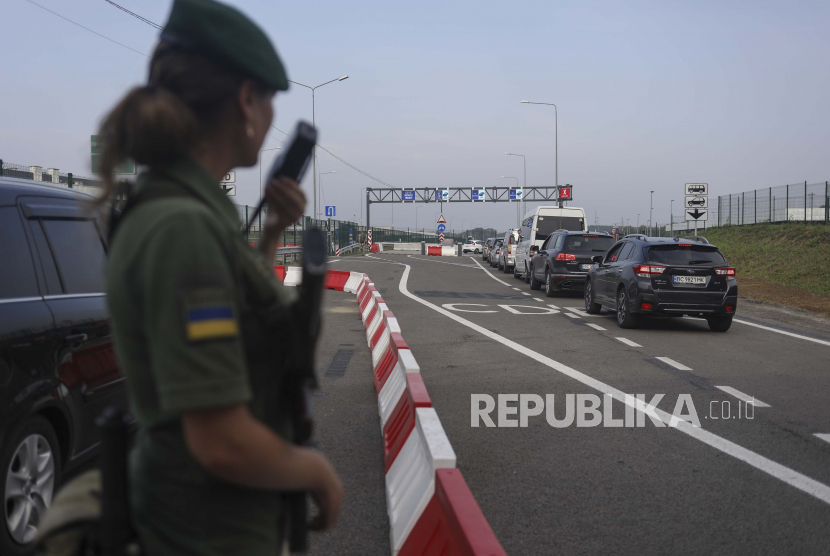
[194, 177]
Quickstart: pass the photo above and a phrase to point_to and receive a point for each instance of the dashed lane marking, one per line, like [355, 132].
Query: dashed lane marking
[741, 396]
[783, 473]
[571, 315]
[675, 364]
[517, 289]
[628, 342]
[595, 326]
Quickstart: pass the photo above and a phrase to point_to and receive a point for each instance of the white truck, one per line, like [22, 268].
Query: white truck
[537, 225]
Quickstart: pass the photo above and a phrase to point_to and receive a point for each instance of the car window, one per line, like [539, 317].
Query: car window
[546, 225]
[17, 271]
[47, 261]
[593, 243]
[680, 254]
[545, 244]
[79, 252]
[613, 254]
[625, 252]
[559, 241]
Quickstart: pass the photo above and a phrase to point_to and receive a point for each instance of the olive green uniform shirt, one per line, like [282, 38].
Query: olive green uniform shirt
[188, 298]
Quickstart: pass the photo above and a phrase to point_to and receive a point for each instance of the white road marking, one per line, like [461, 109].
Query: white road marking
[571, 315]
[675, 364]
[552, 306]
[824, 436]
[776, 470]
[628, 342]
[595, 326]
[512, 309]
[741, 396]
[784, 332]
[580, 312]
[525, 293]
[453, 307]
[490, 274]
[517, 289]
[442, 262]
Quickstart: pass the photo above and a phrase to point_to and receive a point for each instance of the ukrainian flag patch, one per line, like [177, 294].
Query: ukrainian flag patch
[208, 322]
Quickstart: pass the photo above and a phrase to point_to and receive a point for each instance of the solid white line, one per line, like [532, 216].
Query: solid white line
[595, 326]
[741, 396]
[675, 364]
[571, 315]
[784, 332]
[824, 436]
[776, 470]
[490, 274]
[628, 342]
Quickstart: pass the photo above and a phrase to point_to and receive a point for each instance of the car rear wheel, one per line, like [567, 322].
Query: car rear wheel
[591, 306]
[550, 289]
[534, 283]
[624, 317]
[719, 324]
[32, 465]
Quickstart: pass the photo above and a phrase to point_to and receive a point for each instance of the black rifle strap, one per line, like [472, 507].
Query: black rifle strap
[125, 190]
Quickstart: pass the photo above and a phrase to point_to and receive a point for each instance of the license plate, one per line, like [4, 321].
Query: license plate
[689, 279]
[586, 266]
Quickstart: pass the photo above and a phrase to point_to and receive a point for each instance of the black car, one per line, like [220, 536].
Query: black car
[57, 364]
[563, 260]
[647, 276]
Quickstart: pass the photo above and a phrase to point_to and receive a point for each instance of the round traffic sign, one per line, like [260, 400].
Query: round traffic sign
[442, 227]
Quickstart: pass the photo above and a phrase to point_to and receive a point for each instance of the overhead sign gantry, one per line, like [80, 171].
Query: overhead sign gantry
[465, 195]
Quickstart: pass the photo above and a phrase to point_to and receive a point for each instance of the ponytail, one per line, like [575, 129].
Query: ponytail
[150, 125]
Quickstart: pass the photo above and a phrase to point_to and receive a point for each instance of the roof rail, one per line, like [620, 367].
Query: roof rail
[561, 230]
[643, 237]
[701, 239]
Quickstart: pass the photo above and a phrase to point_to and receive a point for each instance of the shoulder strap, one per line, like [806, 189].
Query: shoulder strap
[127, 199]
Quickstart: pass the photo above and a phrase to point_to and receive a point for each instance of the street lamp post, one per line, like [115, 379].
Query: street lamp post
[556, 115]
[517, 206]
[650, 211]
[638, 223]
[314, 122]
[524, 167]
[671, 218]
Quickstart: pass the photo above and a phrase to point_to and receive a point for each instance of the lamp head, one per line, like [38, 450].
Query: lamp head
[343, 78]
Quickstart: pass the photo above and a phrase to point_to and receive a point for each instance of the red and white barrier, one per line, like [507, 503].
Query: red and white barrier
[431, 510]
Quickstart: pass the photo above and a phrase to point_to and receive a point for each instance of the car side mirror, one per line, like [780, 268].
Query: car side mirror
[534, 249]
[597, 259]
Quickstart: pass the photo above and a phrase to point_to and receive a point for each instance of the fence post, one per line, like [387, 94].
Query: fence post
[826, 203]
[718, 211]
[770, 205]
[69, 180]
[805, 204]
[247, 229]
[1, 167]
[755, 201]
[729, 222]
[787, 205]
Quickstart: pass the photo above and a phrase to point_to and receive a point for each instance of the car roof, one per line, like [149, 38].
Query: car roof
[645, 240]
[12, 188]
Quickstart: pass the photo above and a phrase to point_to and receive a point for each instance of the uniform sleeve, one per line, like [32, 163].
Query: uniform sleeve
[191, 317]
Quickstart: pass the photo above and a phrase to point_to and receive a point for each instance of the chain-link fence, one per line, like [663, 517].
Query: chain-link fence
[800, 202]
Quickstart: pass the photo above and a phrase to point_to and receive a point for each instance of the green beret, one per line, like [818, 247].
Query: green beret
[215, 29]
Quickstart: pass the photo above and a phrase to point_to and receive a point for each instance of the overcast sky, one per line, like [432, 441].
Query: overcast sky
[651, 94]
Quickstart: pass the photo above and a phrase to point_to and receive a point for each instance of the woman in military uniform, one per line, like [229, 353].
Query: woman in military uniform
[191, 302]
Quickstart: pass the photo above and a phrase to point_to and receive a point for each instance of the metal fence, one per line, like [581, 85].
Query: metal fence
[800, 202]
[49, 175]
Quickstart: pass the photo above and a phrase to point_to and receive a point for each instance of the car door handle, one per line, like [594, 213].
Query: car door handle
[75, 338]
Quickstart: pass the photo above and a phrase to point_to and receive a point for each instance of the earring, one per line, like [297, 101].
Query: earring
[249, 129]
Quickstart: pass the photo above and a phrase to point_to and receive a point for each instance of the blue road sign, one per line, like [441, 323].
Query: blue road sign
[442, 227]
[351, 237]
[330, 211]
[408, 195]
[442, 194]
[478, 195]
[516, 194]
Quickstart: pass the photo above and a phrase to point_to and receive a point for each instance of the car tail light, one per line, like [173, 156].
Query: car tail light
[645, 270]
[565, 257]
[730, 309]
[685, 245]
[645, 306]
[590, 235]
[727, 271]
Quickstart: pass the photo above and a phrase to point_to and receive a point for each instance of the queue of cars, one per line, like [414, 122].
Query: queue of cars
[57, 363]
[636, 276]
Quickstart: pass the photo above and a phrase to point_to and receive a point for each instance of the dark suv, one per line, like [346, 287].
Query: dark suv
[642, 276]
[57, 363]
[563, 260]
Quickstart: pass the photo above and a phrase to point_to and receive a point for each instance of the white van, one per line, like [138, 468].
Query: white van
[538, 224]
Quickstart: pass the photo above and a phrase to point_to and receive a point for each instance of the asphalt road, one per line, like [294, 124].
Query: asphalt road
[734, 485]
